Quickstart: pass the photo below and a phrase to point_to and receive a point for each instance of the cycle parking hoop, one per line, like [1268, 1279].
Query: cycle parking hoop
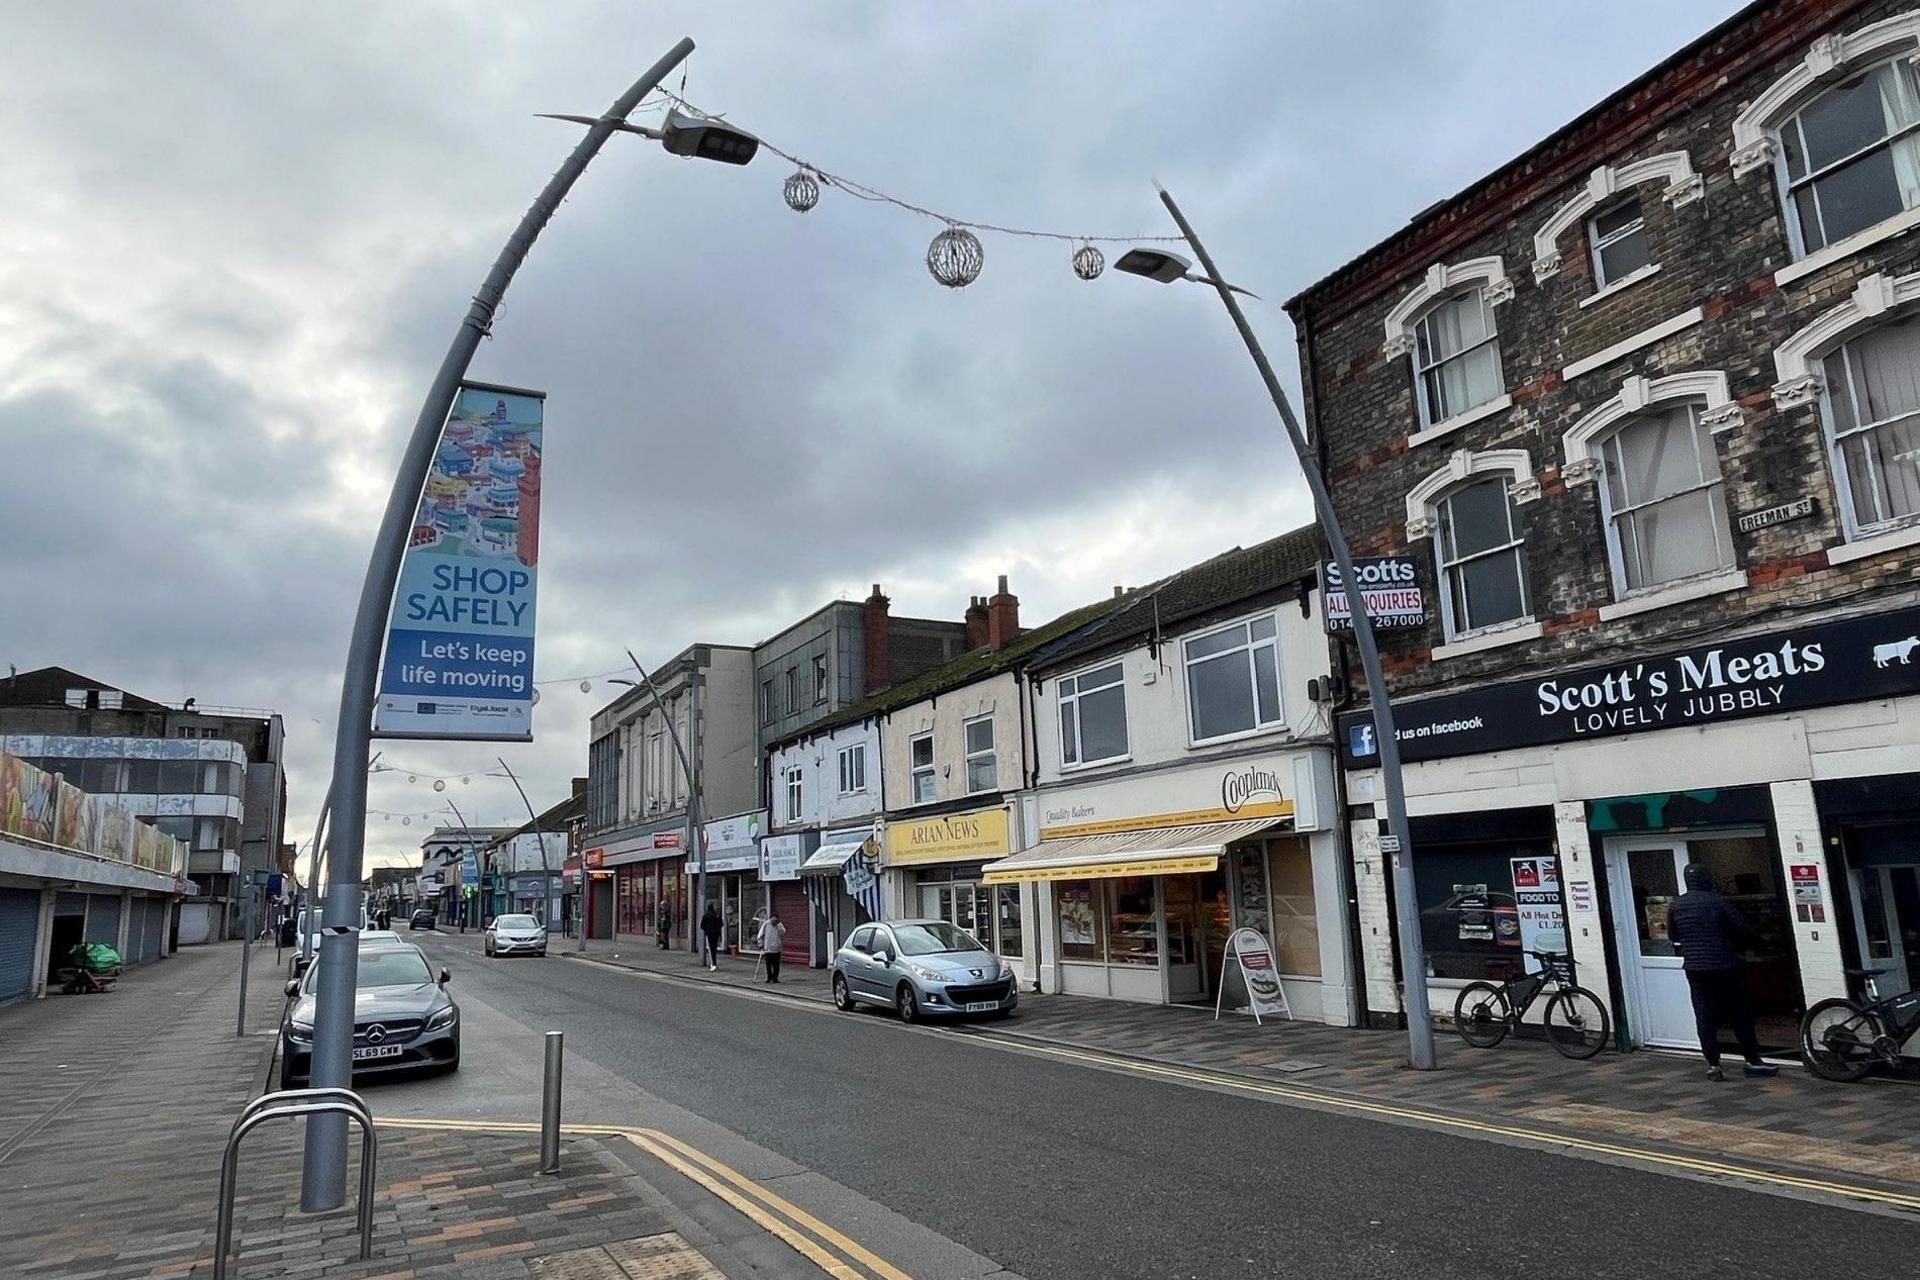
[291, 1104]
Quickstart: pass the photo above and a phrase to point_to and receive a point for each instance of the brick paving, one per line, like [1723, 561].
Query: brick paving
[1794, 1121]
[115, 1108]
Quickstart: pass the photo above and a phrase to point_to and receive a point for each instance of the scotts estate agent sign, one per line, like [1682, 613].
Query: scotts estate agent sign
[1852, 660]
[459, 656]
[1390, 586]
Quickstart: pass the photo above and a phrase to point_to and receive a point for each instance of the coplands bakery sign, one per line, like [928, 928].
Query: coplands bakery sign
[1820, 664]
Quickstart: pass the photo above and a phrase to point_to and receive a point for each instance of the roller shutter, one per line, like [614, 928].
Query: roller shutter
[790, 904]
[156, 933]
[103, 920]
[19, 927]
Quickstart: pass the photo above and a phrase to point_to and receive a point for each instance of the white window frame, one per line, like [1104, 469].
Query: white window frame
[796, 794]
[1428, 418]
[1597, 242]
[1856, 529]
[970, 756]
[852, 762]
[1786, 185]
[1251, 647]
[1442, 565]
[1062, 702]
[916, 771]
[1611, 518]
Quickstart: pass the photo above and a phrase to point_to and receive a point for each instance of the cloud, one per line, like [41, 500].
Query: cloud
[237, 240]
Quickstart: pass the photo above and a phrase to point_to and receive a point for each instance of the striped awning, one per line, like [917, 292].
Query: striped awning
[852, 859]
[1157, 851]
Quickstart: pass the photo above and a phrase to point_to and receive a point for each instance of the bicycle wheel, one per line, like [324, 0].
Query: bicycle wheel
[1480, 1014]
[1837, 1039]
[1576, 1022]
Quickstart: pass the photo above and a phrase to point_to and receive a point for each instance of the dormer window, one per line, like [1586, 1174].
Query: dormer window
[1457, 357]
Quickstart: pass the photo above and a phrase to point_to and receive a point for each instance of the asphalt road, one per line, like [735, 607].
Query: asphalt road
[1057, 1170]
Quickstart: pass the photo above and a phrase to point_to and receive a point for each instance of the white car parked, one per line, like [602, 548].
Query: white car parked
[516, 936]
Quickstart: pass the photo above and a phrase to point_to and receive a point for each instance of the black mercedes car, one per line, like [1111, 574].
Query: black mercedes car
[403, 1018]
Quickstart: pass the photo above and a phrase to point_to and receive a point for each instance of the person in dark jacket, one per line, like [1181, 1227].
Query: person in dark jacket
[710, 930]
[1707, 929]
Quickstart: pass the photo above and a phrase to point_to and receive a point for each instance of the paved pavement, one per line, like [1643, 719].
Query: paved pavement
[1059, 1161]
[1794, 1121]
[114, 1110]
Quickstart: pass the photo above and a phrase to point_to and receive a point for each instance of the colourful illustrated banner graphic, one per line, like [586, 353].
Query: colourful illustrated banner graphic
[39, 806]
[459, 656]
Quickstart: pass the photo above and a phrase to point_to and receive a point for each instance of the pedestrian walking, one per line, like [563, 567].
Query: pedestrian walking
[665, 924]
[1707, 930]
[771, 932]
[710, 933]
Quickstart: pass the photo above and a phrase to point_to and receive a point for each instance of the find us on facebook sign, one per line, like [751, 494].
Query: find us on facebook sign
[459, 651]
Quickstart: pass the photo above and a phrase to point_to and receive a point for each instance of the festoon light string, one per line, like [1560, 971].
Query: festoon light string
[956, 257]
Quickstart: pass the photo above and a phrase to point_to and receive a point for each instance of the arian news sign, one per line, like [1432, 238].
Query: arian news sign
[1389, 586]
[980, 834]
[1816, 665]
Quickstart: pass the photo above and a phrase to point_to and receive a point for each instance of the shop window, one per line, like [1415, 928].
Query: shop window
[1666, 507]
[1872, 417]
[853, 769]
[819, 678]
[1093, 716]
[1619, 239]
[920, 762]
[1133, 935]
[1006, 910]
[982, 774]
[1482, 906]
[1080, 911]
[1850, 158]
[1456, 357]
[795, 794]
[1233, 680]
[1296, 919]
[1478, 543]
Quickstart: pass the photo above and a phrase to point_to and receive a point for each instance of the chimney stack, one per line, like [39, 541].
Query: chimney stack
[976, 622]
[879, 641]
[579, 787]
[1003, 616]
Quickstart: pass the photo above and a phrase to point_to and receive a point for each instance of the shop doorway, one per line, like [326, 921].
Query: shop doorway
[1887, 907]
[1199, 922]
[1645, 875]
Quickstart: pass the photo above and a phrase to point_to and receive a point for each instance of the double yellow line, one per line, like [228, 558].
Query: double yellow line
[810, 1237]
[1463, 1124]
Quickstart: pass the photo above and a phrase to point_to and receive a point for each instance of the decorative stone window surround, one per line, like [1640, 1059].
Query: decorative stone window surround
[1684, 186]
[1830, 58]
[1873, 298]
[1580, 446]
[1441, 281]
[1464, 465]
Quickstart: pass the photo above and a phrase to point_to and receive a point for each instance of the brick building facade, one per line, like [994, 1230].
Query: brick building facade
[1644, 406]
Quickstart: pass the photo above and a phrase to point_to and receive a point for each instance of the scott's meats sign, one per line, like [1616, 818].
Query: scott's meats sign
[1821, 664]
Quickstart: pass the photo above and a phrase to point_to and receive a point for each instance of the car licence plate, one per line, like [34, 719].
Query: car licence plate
[982, 1006]
[378, 1051]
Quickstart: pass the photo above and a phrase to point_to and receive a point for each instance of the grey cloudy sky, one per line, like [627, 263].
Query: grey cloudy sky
[235, 238]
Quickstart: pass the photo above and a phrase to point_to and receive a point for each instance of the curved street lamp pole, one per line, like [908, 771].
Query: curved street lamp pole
[324, 1168]
[546, 867]
[1167, 268]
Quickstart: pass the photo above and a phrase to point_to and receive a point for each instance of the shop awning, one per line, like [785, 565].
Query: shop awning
[831, 859]
[1160, 851]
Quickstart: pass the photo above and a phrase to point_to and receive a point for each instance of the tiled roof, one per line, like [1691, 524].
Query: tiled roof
[1239, 574]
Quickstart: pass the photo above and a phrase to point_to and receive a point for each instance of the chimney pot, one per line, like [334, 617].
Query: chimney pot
[1118, 591]
[977, 629]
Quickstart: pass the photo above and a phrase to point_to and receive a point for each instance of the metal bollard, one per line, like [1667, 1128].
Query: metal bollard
[550, 1105]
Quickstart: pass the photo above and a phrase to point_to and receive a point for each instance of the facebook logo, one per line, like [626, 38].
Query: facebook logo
[1360, 740]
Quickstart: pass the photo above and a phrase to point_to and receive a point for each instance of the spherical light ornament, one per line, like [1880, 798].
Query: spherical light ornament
[955, 257]
[586, 686]
[411, 778]
[439, 784]
[1088, 262]
[802, 191]
[406, 821]
[466, 782]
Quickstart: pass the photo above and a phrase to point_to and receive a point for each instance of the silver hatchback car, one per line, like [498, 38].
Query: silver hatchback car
[921, 969]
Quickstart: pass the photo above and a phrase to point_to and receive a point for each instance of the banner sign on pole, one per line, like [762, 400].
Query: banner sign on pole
[1258, 975]
[459, 652]
[1389, 586]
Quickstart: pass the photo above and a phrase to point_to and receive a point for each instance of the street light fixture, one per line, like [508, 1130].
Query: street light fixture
[1165, 267]
[695, 843]
[533, 820]
[324, 1167]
